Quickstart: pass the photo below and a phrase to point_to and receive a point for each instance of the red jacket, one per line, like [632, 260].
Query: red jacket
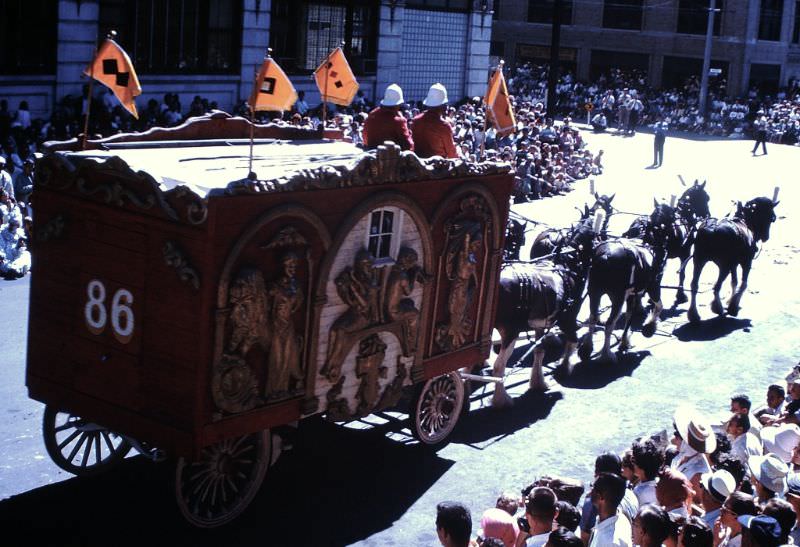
[433, 136]
[387, 124]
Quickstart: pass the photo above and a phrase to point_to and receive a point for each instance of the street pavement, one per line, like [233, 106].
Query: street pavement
[368, 483]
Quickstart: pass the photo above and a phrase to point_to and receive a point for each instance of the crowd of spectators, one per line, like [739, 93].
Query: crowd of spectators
[616, 93]
[728, 481]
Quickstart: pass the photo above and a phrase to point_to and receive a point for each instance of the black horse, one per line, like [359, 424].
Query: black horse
[625, 269]
[549, 239]
[540, 295]
[692, 208]
[515, 238]
[730, 243]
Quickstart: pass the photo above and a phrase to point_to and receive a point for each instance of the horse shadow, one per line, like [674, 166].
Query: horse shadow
[335, 487]
[487, 423]
[711, 329]
[597, 374]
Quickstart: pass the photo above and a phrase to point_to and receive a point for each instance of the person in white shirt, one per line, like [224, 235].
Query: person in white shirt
[695, 440]
[716, 487]
[613, 529]
[743, 443]
[674, 493]
[647, 460]
[776, 400]
[540, 513]
[741, 404]
[727, 529]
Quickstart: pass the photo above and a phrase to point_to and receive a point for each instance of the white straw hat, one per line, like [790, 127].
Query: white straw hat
[770, 471]
[695, 429]
[437, 96]
[393, 96]
[720, 484]
[781, 440]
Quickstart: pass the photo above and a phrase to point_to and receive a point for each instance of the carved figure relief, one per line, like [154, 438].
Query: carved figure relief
[371, 352]
[464, 252]
[284, 358]
[358, 287]
[399, 307]
[262, 315]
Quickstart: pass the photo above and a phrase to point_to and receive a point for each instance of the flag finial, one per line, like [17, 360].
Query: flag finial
[269, 53]
[111, 34]
[502, 62]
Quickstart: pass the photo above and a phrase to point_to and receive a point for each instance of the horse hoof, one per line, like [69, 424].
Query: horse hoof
[610, 358]
[681, 298]
[585, 350]
[693, 316]
[501, 399]
[716, 307]
[649, 329]
[733, 311]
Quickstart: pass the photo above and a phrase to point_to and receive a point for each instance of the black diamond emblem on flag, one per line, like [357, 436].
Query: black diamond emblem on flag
[110, 66]
[122, 79]
[339, 84]
[329, 65]
[268, 86]
[334, 74]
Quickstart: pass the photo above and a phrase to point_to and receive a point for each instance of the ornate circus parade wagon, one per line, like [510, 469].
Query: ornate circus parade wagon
[192, 310]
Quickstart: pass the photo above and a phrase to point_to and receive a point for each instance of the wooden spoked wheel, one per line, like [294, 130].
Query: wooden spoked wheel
[79, 446]
[214, 489]
[437, 408]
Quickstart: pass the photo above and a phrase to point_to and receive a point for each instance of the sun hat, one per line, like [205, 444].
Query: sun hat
[496, 523]
[764, 530]
[781, 440]
[695, 429]
[437, 96]
[770, 471]
[393, 96]
[720, 484]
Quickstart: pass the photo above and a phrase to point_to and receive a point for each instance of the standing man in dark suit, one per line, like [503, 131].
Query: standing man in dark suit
[760, 127]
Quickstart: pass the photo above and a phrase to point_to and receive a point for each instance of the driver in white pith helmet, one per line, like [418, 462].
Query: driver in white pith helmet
[385, 123]
[432, 135]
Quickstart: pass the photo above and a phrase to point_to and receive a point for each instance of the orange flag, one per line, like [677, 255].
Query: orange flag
[498, 104]
[113, 68]
[272, 90]
[335, 80]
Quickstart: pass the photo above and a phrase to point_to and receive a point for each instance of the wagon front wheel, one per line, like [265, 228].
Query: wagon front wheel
[215, 489]
[81, 447]
[437, 408]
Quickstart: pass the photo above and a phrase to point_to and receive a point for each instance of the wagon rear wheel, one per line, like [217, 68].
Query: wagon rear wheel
[437, 407]
[215, 489]
[79, 446]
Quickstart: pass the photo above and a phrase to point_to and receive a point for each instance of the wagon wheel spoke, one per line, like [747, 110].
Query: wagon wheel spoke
[437, 408]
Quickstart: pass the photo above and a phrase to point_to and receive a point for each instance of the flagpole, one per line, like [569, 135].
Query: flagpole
[485, 114]
[325, 90]
[252, 122]
[111, 34]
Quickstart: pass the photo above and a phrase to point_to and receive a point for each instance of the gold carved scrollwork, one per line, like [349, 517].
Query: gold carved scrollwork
[464, 252]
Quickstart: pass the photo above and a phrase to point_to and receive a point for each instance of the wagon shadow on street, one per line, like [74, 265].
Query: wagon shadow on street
[597, 373]
[711, 329]
[337, 486]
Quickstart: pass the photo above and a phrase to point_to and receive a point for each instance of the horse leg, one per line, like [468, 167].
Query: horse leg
[611, 323]
[537, 382]
[733, 306]
[734, 283]
[500, 398]
[716, 304]
[699, 263]
[630, 305]
[680, 297]
[649, 327]
[586, 346]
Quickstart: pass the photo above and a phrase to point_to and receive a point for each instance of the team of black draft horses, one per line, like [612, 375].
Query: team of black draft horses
[548, 291]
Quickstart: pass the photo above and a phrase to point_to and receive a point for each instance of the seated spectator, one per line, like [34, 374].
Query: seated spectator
[715, 487]
[599, 122]
[568, 515]
[727, 527]
[613, 529]
[793, 497]
[497, 523]
[695, 440]
[695, 533]
[15, 260]
[783, 512]
[453, 524]
[541, 511]
[741, 404]
[674, 492]
[760, 531]
[561, 537]
[651, 526]
[776, 397]
[781, 440]
[768, 475]
[744, 444]
[647, 461]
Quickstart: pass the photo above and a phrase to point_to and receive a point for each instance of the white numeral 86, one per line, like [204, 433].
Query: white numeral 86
[96, 316]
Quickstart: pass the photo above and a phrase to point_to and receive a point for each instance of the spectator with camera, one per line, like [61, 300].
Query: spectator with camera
[541, 510]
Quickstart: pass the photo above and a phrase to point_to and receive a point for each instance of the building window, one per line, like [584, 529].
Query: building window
[541, 11]
[445, 5]
[28, 34]
[383, 237]
[303, 34]
[769, 21]
[693, 16]
[623, 14]
[796, 30]
[177, 36]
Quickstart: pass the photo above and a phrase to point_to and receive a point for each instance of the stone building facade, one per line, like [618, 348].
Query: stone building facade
[755, 41]
[212, 48]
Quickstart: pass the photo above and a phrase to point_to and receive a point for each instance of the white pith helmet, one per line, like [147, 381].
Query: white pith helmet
[393, 96]
[437, 96]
